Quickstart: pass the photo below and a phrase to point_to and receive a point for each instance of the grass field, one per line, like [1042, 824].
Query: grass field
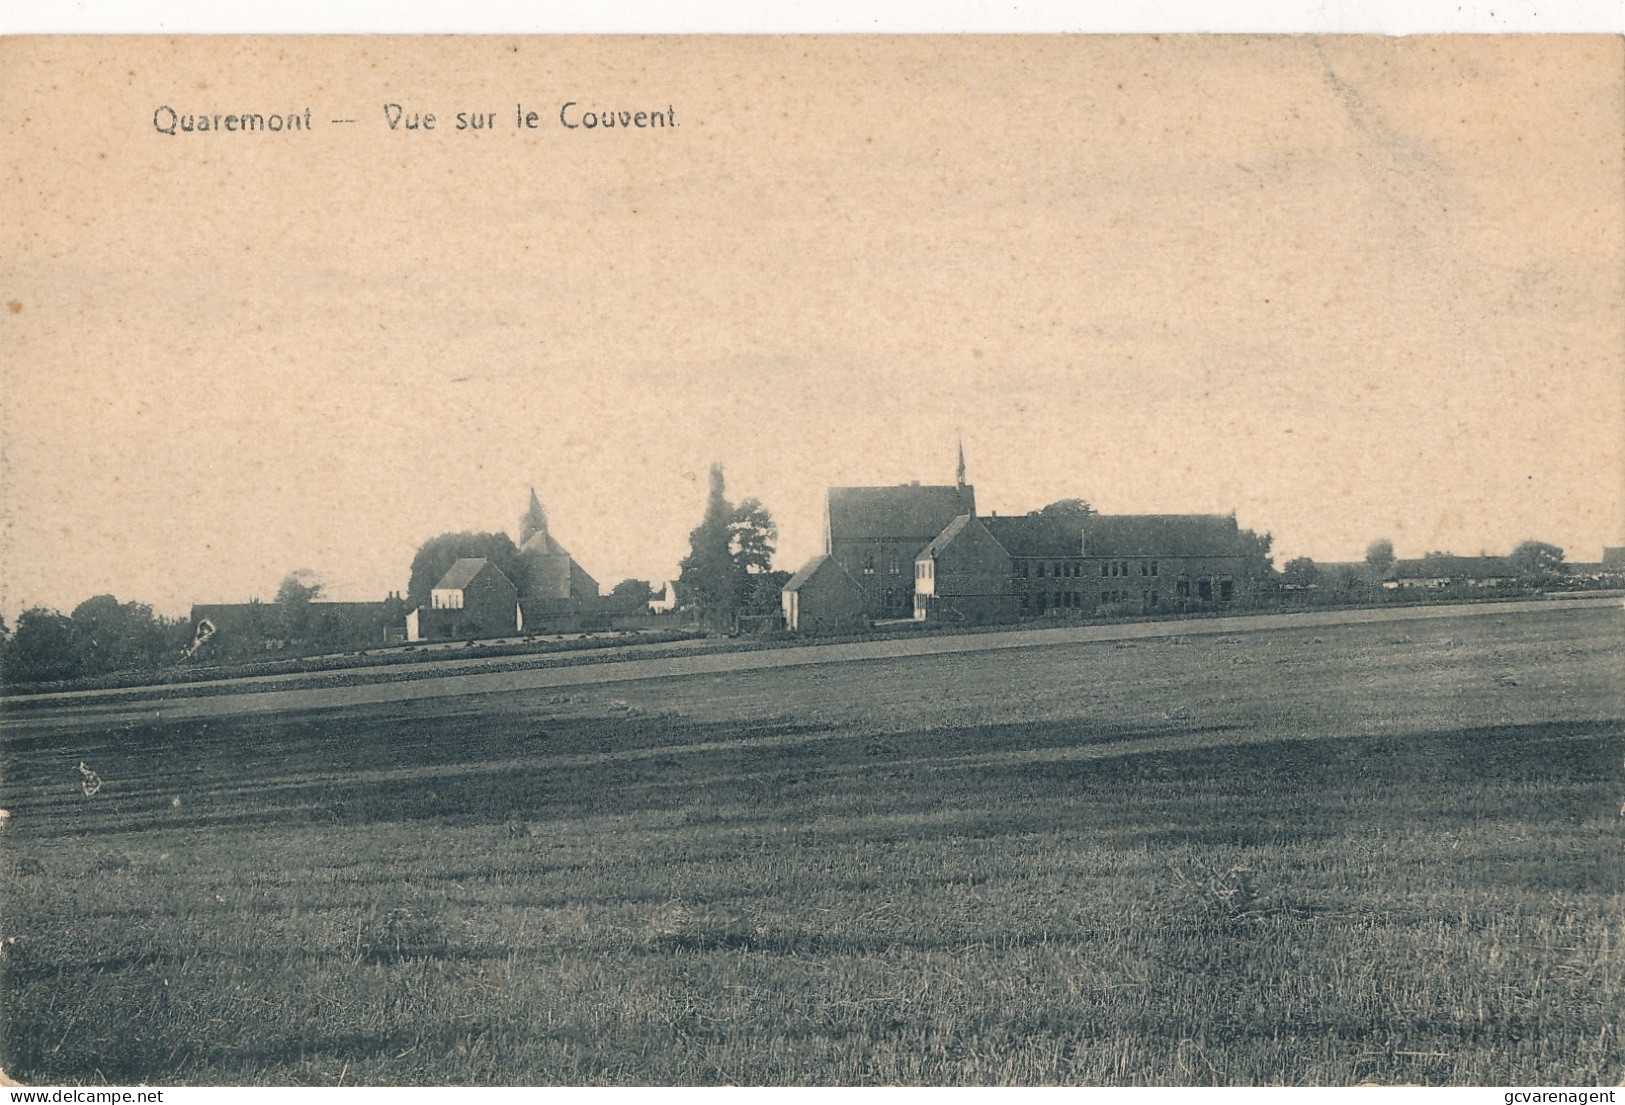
[1382, 853]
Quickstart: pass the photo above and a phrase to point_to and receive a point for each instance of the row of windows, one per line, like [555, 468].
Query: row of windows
[1108, 568]
[894, 566]
[1057, 600]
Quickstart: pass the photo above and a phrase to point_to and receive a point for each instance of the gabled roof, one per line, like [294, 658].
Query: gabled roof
[813, 567]
[958, 526]
[462, 573]
[951, 531]
[905, 512]
[1028, 535]
[1162, 535]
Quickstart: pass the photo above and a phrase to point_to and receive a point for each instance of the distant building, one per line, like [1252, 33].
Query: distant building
[473, 599]
[553, 580]
[822, 598]
[258, 626]
[1613, 559]
[1439, 572]
[666, 601]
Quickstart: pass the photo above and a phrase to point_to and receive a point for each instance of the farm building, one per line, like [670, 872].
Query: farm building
[249, 627]
[822, 598]
[473, 599]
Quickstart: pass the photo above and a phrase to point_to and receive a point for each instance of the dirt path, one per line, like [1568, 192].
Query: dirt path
[432, 686]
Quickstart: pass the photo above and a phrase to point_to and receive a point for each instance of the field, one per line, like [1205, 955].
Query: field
[1385, 853]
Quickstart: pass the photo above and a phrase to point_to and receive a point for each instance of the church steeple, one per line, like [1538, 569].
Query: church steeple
[959, 474]
[534, 521]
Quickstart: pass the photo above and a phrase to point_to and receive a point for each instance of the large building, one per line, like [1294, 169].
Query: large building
[1066, 564]
[876, 533]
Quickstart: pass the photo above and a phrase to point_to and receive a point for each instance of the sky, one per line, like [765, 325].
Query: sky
[1348, 288]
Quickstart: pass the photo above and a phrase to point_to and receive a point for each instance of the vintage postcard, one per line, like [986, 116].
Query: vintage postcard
[812, 560]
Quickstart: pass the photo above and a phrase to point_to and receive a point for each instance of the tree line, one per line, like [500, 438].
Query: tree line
[726, 581]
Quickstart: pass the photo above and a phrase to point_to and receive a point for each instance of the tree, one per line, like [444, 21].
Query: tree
[1536, 562]
[629, 596]
[1257, 563]
[436, 556]
[114, 636]
[43, 648]
[728, 551]
[765, 593]
[1300, 572]
[1067, 509]
[294, 595]
[1379, 556]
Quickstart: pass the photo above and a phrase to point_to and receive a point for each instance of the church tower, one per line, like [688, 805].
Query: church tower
[534, 521]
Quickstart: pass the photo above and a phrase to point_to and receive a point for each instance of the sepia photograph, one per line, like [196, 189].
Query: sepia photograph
[826, 560]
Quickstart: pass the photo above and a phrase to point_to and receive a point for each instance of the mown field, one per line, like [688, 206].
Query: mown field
[1382, 853]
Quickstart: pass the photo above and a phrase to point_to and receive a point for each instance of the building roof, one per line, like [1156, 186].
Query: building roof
[1162, 535]
[1029, 535]
[534, 519]
[462, 573]
[812, 568]
[941, 540]
[1453, 567]
[904, 512]
[541, 543]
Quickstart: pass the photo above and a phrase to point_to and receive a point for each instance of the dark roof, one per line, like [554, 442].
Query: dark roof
[461, 574]
[907, 511]
[1161, 535]
[1036, 534]
[951, 531]
[1453, 567]
[812, 568]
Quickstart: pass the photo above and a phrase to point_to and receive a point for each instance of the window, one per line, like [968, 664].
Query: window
[1024, 597]
[869, 563]
[1103, 569]
[1226, 589]
[1153, 598]
[1040, 569]
[1183, 588]
[1204, 589]
[1153, 567]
